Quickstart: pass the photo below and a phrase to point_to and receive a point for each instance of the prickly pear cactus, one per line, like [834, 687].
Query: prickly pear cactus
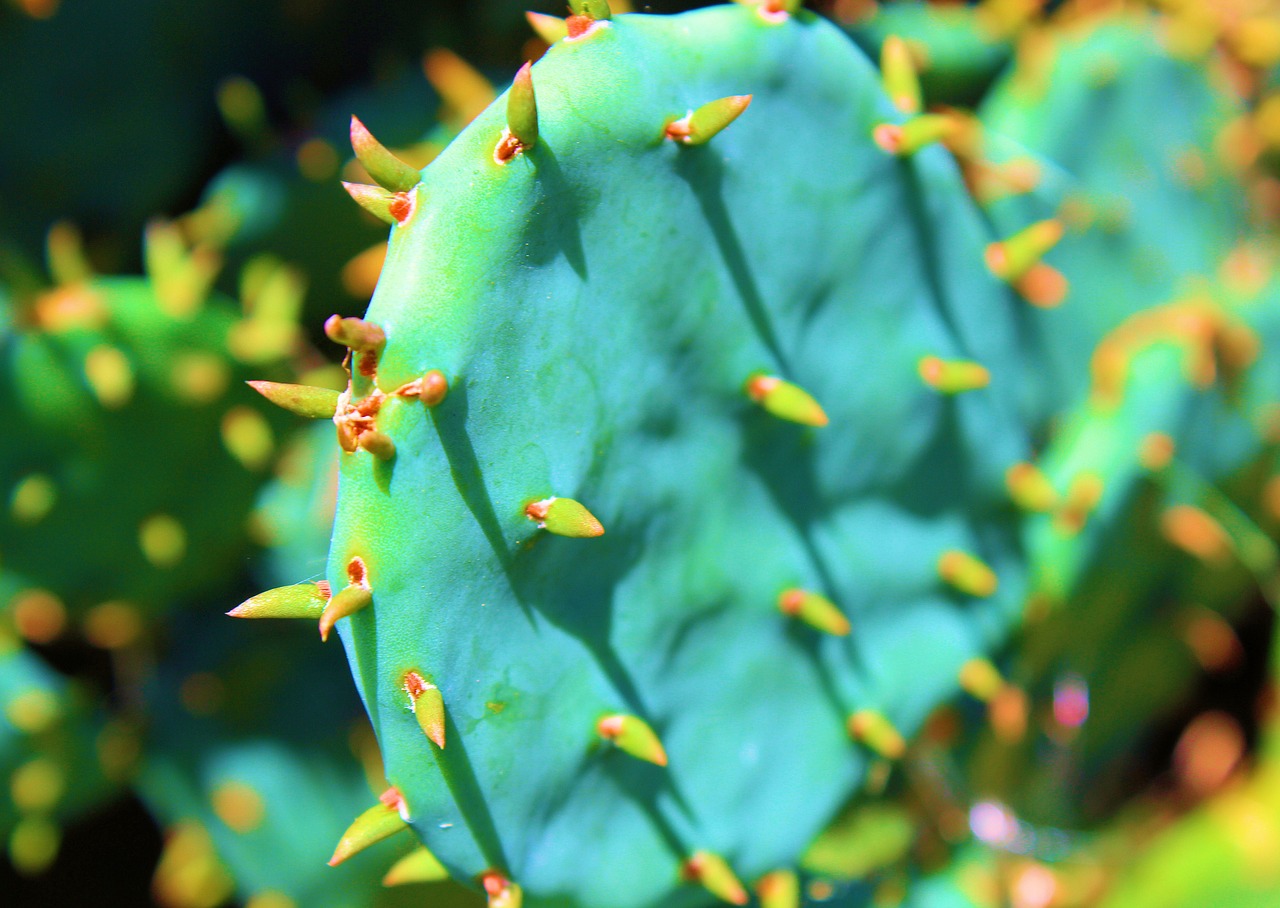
[58, 755]
[117, 379]
[1134, 217]
[650, 483]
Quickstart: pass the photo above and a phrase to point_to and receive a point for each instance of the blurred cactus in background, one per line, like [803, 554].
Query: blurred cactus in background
[784, 454]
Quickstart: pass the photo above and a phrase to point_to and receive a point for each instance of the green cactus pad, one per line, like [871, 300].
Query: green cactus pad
[597, 302]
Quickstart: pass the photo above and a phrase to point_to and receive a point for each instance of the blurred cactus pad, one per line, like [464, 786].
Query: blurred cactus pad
[788, 456]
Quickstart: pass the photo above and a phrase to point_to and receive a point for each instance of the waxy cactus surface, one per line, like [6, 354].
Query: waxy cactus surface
[708, 366]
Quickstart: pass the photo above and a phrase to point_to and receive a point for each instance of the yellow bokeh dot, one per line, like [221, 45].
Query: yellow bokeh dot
[33, 711]
[200, 377]
[247, 437]
[239, 806]
[38, 615]
[109, 375]
[37, 785]
[33, 844]
[317, 160]
[112, 625]
[163, 540]
[270, 899]
[33, 498]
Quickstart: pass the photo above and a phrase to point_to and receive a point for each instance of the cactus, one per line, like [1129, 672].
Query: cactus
[958, 49]
[113, 379]
[58, 756]
[1142, 208]
[689, 453]
[231, 757]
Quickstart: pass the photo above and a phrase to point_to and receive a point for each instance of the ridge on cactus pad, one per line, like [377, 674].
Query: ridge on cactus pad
[600, 297]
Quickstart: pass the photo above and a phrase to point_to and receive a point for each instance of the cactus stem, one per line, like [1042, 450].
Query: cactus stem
[501, 892]
[427, 704]
[301, 600]
[564, 517]
[1029, 488]
[968, 574]
[953, 376]
[355, 596]
[906, 139]
[1012, 259]
[785, 400]
[384, 819]
[431, 388]
[549, 28]
[700, 126]
[899, 75]
[778, 889]
[817, 611]
[713, 873]
[302, 400]
[387, 170]
[633, 736]
[873, 729]
[418, 866]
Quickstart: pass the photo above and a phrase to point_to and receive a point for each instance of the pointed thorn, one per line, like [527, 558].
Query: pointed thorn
[779, 889]
[968, 574]
[953, 376]
[549, 28]
[702, 125]
[427, 704]
[785, 400]
[302, 600]
[817, 611]
[873, 729]
[418, 866]
[347, 602]
[980, 679]
[522, 109]
[384, 819]
[564, 517]
[379, 444]
[356, 595]
[633, 736]
[355, 333]
[1012, 259]
[1029, 488]
[302, 400]
[387, 170]
[373, 199]
[431, 389]
[907, 138]
[713, 873]
[898, 72]
[502, 893]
